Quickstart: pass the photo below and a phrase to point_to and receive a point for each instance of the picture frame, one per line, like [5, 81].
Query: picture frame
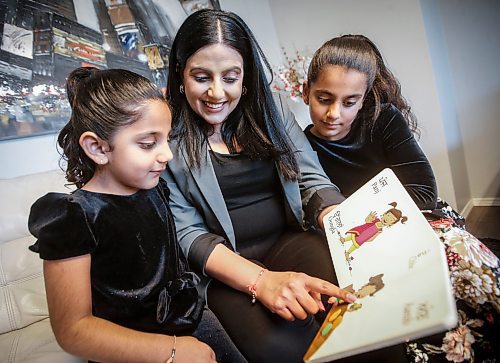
[42, 41]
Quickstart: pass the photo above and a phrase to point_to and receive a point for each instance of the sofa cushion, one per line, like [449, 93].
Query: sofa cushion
[17, 196]
[22, 289]
[34, 344]
[25, 332]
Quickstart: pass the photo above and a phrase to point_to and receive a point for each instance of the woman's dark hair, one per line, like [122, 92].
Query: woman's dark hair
[255, 125]
[101, 102]
[360, 53]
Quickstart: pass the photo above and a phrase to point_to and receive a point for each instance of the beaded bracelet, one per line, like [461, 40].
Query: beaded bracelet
[172, 355]
[253, 288]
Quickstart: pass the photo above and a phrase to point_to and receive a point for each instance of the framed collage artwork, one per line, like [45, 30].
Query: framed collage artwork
[42, 41]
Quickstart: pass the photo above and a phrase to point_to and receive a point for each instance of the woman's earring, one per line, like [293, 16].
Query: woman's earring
[181, 88]
[243, 91]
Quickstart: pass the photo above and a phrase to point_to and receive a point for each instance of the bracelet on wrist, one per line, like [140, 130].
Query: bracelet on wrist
[172, 354]
[253, 288]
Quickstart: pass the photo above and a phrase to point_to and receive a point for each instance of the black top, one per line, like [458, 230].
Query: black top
[349, 164]
[254, 200]
[139, 276]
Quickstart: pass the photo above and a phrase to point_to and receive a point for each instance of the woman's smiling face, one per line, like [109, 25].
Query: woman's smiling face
[213, 82]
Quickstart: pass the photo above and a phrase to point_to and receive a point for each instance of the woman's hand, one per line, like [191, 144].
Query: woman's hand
[191, 350]
[291, 295]
[294, 295]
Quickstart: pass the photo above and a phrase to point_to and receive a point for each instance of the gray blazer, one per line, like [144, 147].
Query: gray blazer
[198, 205]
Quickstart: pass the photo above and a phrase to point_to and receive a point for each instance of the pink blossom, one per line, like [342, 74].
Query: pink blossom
[457, 344]
[290, 78]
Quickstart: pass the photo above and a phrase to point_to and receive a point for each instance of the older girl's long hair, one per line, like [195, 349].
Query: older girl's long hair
[360, 53]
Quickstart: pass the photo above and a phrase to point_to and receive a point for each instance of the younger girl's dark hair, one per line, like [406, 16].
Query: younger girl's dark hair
[255, 125]
[360, 53]
[101, 102]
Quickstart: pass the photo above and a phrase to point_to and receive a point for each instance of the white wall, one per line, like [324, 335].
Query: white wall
[28, 155]
[259, 18]
[469, 53]
[397, 27]
[446, 92]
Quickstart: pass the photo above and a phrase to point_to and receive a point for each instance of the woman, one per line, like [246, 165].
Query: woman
[247, 192]
[361, 122]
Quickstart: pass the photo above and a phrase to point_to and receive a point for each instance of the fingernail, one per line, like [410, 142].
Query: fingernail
[321, 306]
[351, 297]
[334, 300]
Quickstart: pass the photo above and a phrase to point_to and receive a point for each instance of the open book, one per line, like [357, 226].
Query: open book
[386, 253]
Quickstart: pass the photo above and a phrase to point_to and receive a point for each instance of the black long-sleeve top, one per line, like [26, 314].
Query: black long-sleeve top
[350, 163]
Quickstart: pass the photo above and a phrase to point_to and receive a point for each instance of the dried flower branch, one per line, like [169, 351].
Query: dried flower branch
[290, 78]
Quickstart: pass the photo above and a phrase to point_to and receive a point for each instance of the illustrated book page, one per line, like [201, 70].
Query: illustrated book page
[385, 252]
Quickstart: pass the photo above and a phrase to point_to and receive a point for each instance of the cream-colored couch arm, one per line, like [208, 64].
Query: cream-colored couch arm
[25, 332]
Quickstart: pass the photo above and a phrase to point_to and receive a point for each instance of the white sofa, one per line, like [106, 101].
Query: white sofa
[25, 332]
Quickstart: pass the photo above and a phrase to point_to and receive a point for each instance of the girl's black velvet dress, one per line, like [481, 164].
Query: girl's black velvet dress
[350, 163]
[138, 274]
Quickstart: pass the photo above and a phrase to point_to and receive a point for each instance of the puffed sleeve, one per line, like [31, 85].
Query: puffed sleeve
[407, 160]
[60, 226]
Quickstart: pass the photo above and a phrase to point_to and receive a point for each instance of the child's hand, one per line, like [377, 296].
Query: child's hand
[371, 217]
[191, 350]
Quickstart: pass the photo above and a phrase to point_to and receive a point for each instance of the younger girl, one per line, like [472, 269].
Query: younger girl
[117, 284]
[361, 123]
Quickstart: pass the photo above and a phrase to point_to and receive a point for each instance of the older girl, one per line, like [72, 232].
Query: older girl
[361, 122]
